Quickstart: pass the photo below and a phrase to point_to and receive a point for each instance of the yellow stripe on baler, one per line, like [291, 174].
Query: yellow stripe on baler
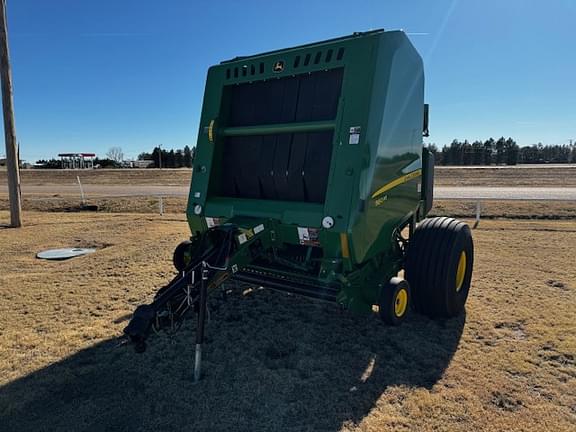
[211, 131]
[396, 182]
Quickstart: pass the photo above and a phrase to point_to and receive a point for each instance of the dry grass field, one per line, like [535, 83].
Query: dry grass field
[104, 176]
[522, 175]
[547, 210]
[275, 361]
[541, 175]
[68, 199]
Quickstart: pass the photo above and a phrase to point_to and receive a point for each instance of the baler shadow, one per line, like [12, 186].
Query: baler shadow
[272, 362]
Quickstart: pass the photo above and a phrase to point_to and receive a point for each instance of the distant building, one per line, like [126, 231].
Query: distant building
[77, 160]
[22, 163]
[141, 163]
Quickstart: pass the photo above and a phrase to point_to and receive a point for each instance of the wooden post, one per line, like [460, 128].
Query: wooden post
[83, 202]
[12, 156]
[478, 208]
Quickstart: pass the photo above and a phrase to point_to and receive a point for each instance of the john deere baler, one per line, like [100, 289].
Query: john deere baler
[310, 177]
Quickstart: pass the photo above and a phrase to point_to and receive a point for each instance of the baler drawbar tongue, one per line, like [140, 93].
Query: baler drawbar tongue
[220, 255]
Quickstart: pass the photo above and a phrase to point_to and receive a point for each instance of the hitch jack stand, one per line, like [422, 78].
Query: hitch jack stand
[202, 304]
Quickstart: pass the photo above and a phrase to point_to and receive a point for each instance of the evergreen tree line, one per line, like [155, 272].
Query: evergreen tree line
[501, 152]
[161, 158]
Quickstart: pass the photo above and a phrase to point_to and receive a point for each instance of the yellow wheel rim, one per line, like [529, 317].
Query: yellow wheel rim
[401, 302]
[461, 272]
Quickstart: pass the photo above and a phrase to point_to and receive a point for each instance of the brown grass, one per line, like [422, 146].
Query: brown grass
[445, 176]
[149, 204]
[552, 210]
[40, 177]
[541, 175]
[274, 361]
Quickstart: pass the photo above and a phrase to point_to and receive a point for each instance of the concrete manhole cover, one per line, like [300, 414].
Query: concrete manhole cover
[62, 254]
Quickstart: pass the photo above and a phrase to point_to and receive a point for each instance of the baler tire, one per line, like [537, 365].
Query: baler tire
[394, 301]
[179, 258]
[439, 264]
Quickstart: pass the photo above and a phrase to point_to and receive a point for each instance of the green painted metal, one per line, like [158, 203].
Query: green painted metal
[377, 141]
[300, 127]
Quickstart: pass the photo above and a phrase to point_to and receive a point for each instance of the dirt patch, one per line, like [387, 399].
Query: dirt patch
[506, 402]
[275, 361]
[557, 284]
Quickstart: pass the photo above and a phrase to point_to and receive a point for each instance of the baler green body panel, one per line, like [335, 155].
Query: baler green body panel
[327, 130]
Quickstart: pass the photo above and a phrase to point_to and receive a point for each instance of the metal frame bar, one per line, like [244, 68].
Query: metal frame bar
[279, 128]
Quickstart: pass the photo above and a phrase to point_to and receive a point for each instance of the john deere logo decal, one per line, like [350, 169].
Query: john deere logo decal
[278, 66]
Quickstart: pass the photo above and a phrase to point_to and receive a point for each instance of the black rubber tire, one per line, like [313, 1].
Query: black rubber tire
[389, 297]
[179, 259]
[433, 257]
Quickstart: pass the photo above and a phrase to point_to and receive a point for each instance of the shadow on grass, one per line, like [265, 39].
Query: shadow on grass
[272, 362]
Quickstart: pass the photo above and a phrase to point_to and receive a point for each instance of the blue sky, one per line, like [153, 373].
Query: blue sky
[89, 75]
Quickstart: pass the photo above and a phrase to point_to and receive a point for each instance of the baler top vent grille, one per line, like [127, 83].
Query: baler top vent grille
[298, 62]
[236, 71]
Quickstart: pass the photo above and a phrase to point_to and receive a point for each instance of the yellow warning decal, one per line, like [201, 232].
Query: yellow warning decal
[247, 232]
[400, 180]
[211, 131]
[344, 245]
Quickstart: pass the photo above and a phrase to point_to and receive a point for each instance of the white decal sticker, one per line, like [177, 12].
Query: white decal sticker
[309, 236]
[210, 222]
[303, 235]
[258, 229]
[354, 135]
[242, 238]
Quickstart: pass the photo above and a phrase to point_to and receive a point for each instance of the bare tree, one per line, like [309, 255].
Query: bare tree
[115, 154]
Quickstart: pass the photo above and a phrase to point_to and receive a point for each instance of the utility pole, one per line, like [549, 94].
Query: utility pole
[12, 156]
[160, 156]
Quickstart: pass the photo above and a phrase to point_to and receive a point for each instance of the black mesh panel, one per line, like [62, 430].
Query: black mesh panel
[305, 97]
[285, 167]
